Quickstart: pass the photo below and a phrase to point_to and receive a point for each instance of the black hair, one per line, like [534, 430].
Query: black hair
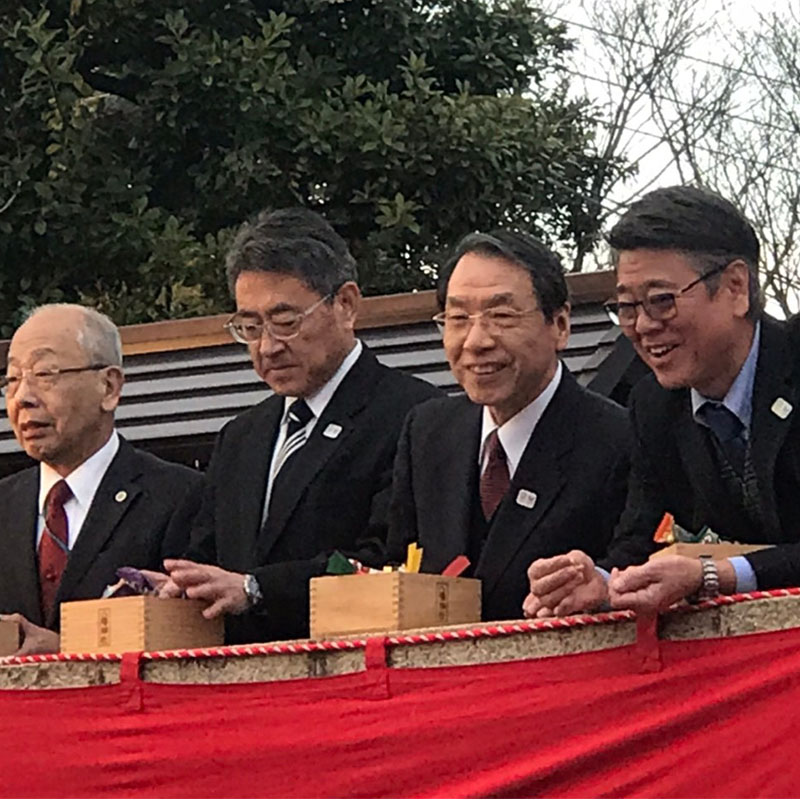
[292, 241]
[708, 229]
[522, 249]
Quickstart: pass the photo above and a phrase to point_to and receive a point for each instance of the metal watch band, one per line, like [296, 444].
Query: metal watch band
[252, 590]
[710, 586]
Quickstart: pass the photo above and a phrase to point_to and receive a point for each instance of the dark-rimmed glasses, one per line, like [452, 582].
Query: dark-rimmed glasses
[659, 306]
[281, 325]
[41, 377]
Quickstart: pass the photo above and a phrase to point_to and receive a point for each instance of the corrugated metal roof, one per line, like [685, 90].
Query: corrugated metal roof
[193, 392]
[175, 400]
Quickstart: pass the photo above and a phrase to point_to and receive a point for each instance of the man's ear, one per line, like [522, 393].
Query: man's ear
[561, 326]
[113, 379]
[736, 281]
[348, 298]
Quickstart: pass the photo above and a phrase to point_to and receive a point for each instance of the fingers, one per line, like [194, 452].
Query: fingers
[191, 575]
[157, 579]
[170, 589]
[543, 567]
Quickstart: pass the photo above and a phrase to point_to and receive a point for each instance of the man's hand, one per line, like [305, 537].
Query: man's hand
[563, 585]
[656, 585]
[35, 640]
[223, 590]
[163, 584]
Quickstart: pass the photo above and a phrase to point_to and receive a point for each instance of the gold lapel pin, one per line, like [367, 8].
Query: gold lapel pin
[121, 496]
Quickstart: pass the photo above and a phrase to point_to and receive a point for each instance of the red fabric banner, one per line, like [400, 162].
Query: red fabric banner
[714, 718]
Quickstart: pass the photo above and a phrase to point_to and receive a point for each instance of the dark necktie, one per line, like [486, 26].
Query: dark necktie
[495, 478]
[299, 416]
[54, 545]
[728, 429]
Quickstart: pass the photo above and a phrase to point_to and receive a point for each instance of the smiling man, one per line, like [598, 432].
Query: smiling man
[308, 470]
[716, 424]
[528, 463]
[94, 503]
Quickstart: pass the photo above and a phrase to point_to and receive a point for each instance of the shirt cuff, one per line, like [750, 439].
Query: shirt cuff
[605, 574]
[746, 580]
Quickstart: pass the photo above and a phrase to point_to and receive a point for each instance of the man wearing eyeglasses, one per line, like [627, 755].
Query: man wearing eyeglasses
[308, 470]
[94, 503]
[716, 423]
[528, 463]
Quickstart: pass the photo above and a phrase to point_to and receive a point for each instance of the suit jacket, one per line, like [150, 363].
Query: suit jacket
[335, 495]
[139, 530]
[576, 462]
[674, 468]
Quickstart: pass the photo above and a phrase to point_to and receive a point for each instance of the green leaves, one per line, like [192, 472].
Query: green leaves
[138, 135]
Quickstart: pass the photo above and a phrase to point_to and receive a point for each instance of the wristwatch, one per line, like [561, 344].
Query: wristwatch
[252, 590]
[710, 587]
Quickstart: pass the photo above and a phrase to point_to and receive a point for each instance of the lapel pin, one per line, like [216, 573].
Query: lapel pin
[332, 431]
[526, 498]
[121, 496]
[781, 408]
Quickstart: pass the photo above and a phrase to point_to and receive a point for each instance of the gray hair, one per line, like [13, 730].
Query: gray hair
[99, 337]
[292, 241]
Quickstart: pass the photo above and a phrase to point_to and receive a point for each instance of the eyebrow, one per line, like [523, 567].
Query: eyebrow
[35, 354]
[654, 284]
[276, 309]
[498, 299]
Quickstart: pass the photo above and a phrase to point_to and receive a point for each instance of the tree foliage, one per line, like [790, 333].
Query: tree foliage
[138, 134]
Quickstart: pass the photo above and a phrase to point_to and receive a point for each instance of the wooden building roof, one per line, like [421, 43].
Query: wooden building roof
[186, 378]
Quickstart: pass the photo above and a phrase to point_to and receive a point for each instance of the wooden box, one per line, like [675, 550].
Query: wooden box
[124, 624]
[391, 601]
[721, 550]
[9, 638]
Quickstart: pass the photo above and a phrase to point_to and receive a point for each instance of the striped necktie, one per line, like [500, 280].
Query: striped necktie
[299, 416]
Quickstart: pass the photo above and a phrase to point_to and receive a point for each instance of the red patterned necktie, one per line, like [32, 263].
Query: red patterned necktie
[494, 479]
[54, 545]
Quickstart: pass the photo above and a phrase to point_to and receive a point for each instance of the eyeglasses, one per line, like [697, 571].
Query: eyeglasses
[281, 325]
[41, 378]
[659, 306]
[496, 320]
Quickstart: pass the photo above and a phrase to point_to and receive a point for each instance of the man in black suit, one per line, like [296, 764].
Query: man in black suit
[716, 424]
[94, 503]
[308, 470]
[528, 462]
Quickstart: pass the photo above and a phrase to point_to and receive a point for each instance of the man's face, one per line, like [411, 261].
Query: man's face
[705, 343]
[299, 366]
[64, 420]
[504, 368]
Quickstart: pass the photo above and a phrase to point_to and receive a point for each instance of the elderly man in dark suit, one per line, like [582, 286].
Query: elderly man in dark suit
[526, 464]
[308, 470]
[94, 503]
[717, 425]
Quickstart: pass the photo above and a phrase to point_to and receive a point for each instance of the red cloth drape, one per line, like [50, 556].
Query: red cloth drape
[714, 718]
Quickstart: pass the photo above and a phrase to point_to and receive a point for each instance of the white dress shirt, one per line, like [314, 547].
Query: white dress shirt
[83, 482]
[515, 433]
[317, 402]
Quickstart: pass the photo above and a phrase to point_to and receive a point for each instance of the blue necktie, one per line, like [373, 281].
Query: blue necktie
[728, 429]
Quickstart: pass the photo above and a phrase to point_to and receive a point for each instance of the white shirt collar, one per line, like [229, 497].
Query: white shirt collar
[84, 479]
[318, 401]
[515, 433]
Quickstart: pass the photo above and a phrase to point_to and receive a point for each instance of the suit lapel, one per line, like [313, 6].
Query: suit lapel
[20, 566]
[454, 459]
[341, 413]
[252, 473]
[117, 491]
[774, 382]
[540, 472]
